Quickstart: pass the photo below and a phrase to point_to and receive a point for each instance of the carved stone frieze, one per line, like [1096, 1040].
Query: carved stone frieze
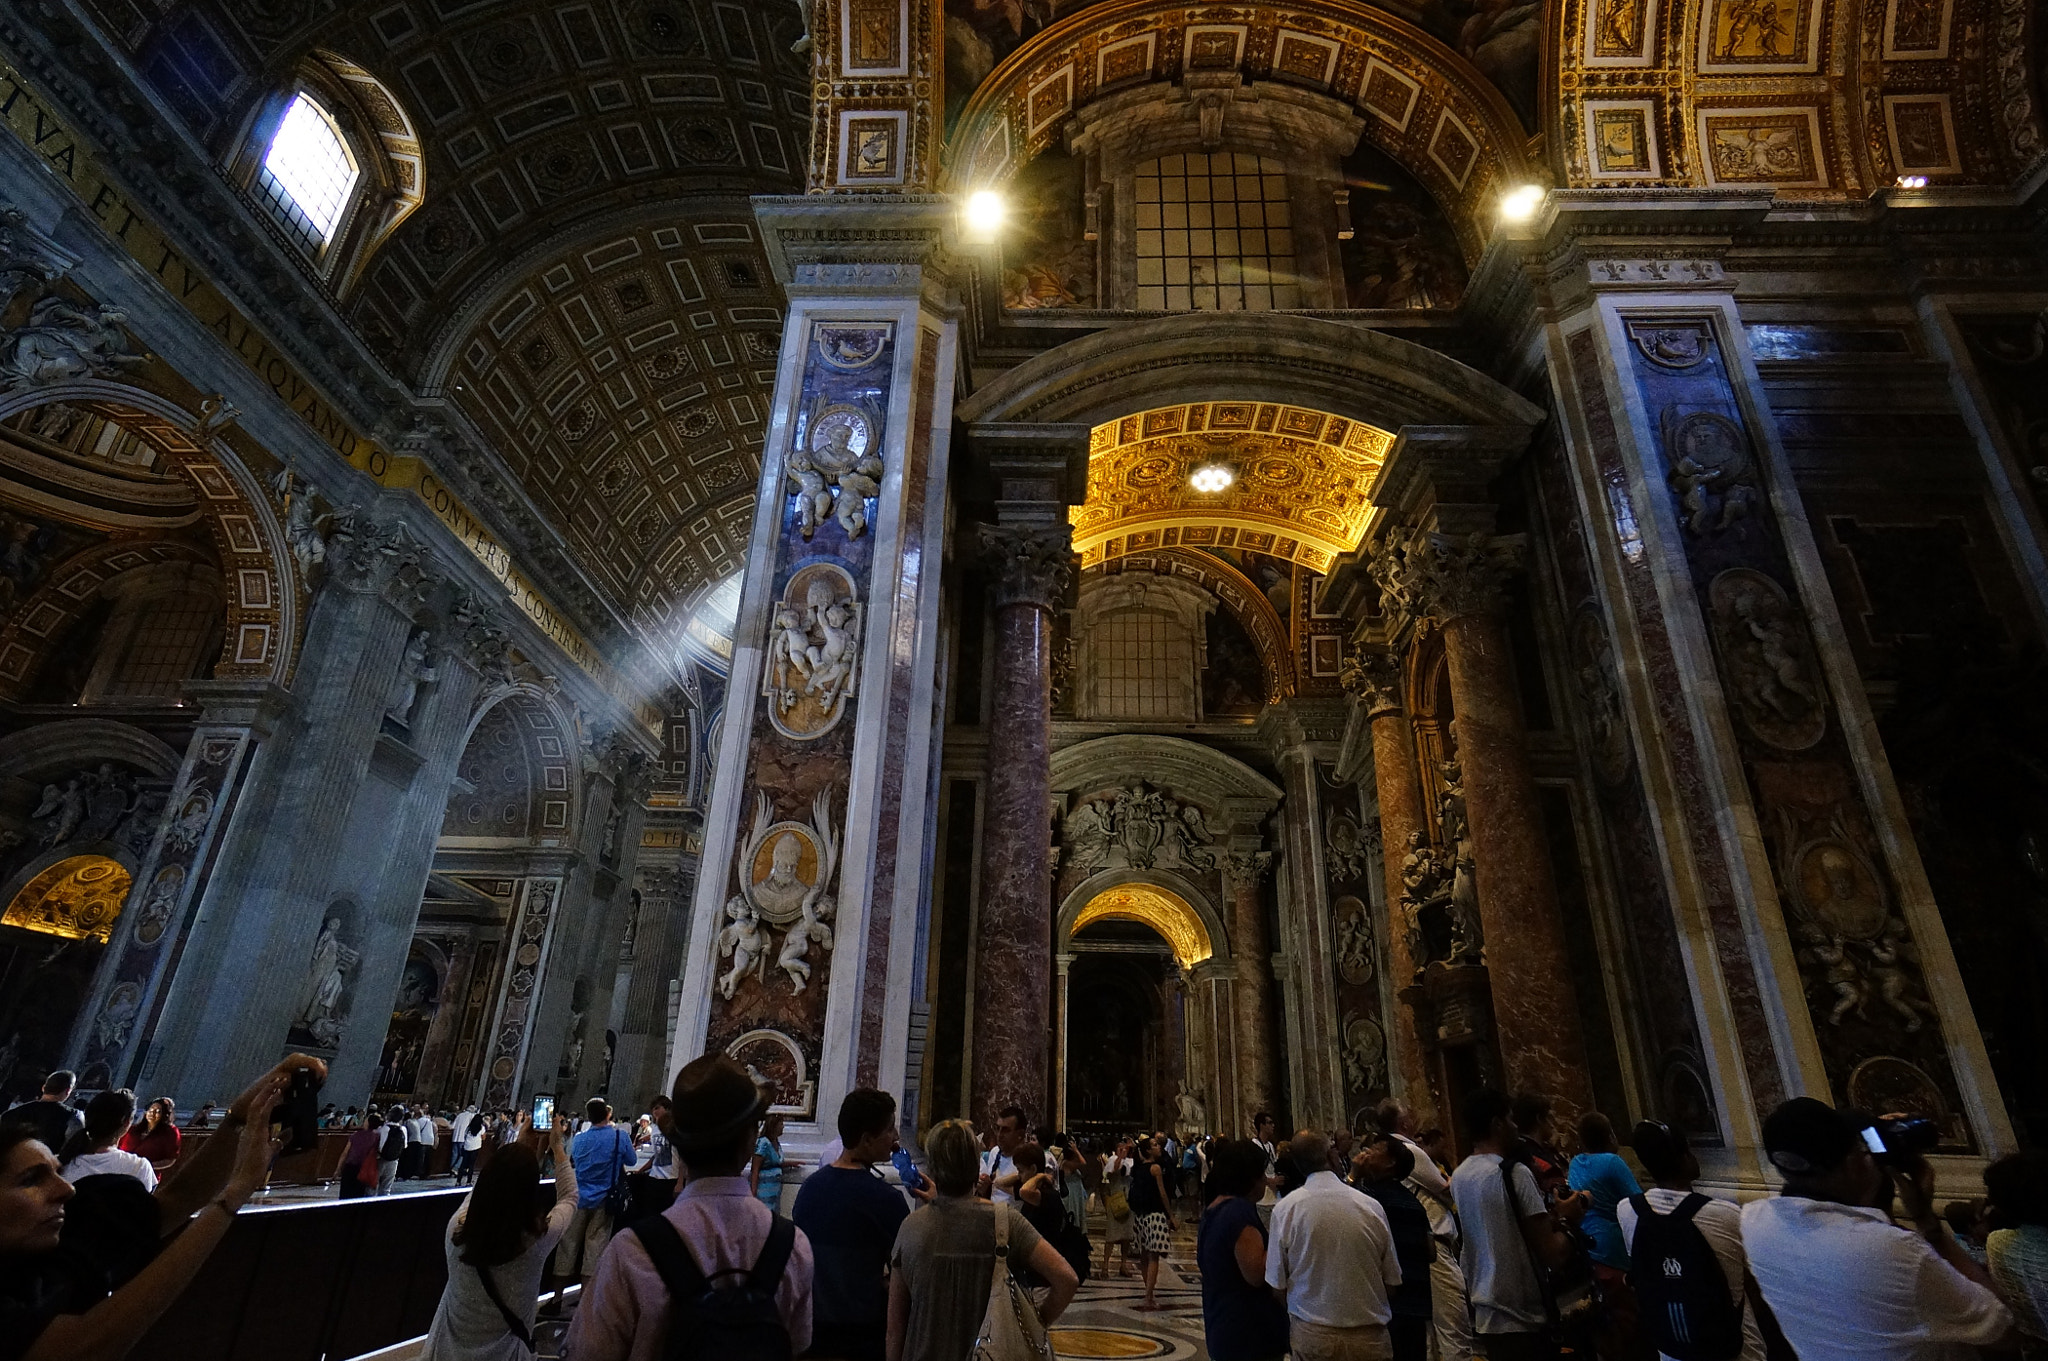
[1031, 564]
[1140, 828]
[63, 340]
[785, 874]
[814, 638]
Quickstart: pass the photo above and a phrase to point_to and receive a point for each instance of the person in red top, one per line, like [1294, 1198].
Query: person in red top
[156, 1137]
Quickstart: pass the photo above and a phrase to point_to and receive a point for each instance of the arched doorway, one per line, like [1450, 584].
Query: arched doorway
[1137, 1030]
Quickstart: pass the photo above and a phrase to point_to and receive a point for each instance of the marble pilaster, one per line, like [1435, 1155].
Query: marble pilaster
[848, 528]
[660, 939]
[1376, 680]
[1030, 565]
[1246, 870]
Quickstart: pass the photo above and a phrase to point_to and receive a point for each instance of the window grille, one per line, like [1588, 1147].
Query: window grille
[1215, 233]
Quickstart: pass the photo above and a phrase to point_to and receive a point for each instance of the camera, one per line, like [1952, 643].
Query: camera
[1901, 1140]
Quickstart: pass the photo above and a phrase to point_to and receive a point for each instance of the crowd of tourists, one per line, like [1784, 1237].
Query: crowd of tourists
[679, 1238]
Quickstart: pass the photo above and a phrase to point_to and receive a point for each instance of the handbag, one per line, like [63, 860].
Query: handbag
[1117, 1204]
[618, 1201]
[366, 1170]
[513, 1323]
[1010, 1327]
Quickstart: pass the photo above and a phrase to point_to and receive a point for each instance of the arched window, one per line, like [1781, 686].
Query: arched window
[1215, 233]
[309, 173]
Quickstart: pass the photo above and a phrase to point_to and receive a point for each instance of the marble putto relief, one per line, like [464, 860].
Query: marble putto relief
[813, 651]
[785, 870]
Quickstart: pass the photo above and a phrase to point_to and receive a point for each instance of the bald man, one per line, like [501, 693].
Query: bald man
[1331, 1260]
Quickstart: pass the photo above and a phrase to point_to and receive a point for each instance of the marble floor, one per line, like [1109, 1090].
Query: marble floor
[1105, 1320]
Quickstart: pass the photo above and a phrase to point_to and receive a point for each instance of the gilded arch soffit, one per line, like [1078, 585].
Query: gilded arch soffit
[1811, 98]
[626, 379]
[1423, 103]
[1166, 912]
[1299, 491]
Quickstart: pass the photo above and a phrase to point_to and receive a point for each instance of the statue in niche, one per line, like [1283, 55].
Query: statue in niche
[1194, 1120]
[320, 1000]
[745, 941]
[1424, 886]
[1769, 660]
[413, 671]
[64, 340]
[813, 651]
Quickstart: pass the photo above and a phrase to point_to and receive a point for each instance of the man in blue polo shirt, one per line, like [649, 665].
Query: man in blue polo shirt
[851, 1216]
[601, 1153]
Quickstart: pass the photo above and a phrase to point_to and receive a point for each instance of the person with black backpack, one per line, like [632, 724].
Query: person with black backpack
[717, 1275]
[1695, 1300]
[391, 1149]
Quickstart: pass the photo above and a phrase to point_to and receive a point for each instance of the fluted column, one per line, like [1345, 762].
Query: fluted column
[1254, 991]
[1375, 678]
[1029, 565]
[1458, 582]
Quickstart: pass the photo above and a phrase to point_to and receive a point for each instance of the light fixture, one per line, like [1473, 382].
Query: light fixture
[1520, 203]
[1912, 182]
[984, 215]
[1212, 477]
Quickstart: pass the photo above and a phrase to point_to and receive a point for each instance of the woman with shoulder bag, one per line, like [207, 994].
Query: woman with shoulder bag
[1121, 1226]
[359, 1161]
[954, 1291]
[497, 1243]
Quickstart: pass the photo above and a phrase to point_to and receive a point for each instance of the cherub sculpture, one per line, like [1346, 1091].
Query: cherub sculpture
[746, 941]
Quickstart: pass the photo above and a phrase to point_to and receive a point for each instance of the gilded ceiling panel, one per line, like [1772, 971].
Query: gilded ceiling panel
[1298, 489]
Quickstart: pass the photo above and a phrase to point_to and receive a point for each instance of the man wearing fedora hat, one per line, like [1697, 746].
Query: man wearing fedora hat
[714, 1118]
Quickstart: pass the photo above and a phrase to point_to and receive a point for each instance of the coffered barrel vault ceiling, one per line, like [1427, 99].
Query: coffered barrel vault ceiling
[582, 279]
[627, 381]
[1301, 479]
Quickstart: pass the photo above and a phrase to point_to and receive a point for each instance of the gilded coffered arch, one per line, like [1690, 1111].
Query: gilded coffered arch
[1812, 98]
[1421, 102]
[626, 379]
[1299, 479]
[1175, 918]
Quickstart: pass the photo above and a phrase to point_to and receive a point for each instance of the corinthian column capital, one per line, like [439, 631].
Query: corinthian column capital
[1441, 577]
[1031, 563]
[1248, 867]
[1375, 677]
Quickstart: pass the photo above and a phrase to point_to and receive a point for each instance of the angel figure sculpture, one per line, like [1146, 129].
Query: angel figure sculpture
[796, 945]
[788, 656]
[831, 659]
[746, 941]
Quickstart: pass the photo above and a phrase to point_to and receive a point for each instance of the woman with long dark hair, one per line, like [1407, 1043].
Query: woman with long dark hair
[1241, 1320]
[156, 1135]
[1152, 1206]
[91, 1151]
[497, 1242]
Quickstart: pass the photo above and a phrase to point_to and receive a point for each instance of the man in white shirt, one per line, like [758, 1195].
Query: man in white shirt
[998, 1171]
[1503, 1242]
[466, 1138]
[1453, 1319]
[426, 1136]
[1842, 1278]
[653, 1173]
[1331, 1258]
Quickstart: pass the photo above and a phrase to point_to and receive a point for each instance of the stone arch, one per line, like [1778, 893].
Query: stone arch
[1362, 375]
[1188, 768]
[261, 585]
[1262, 623]
[53, 747]
[549, 755]
[1188, 912]
[1422, 103]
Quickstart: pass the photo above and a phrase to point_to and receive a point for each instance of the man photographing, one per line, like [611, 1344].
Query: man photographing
[1842, 1278]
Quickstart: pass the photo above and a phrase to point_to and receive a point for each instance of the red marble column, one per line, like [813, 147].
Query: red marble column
[1013, 966]
[1458, 582]
[1376, 681]
[1253, 995]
